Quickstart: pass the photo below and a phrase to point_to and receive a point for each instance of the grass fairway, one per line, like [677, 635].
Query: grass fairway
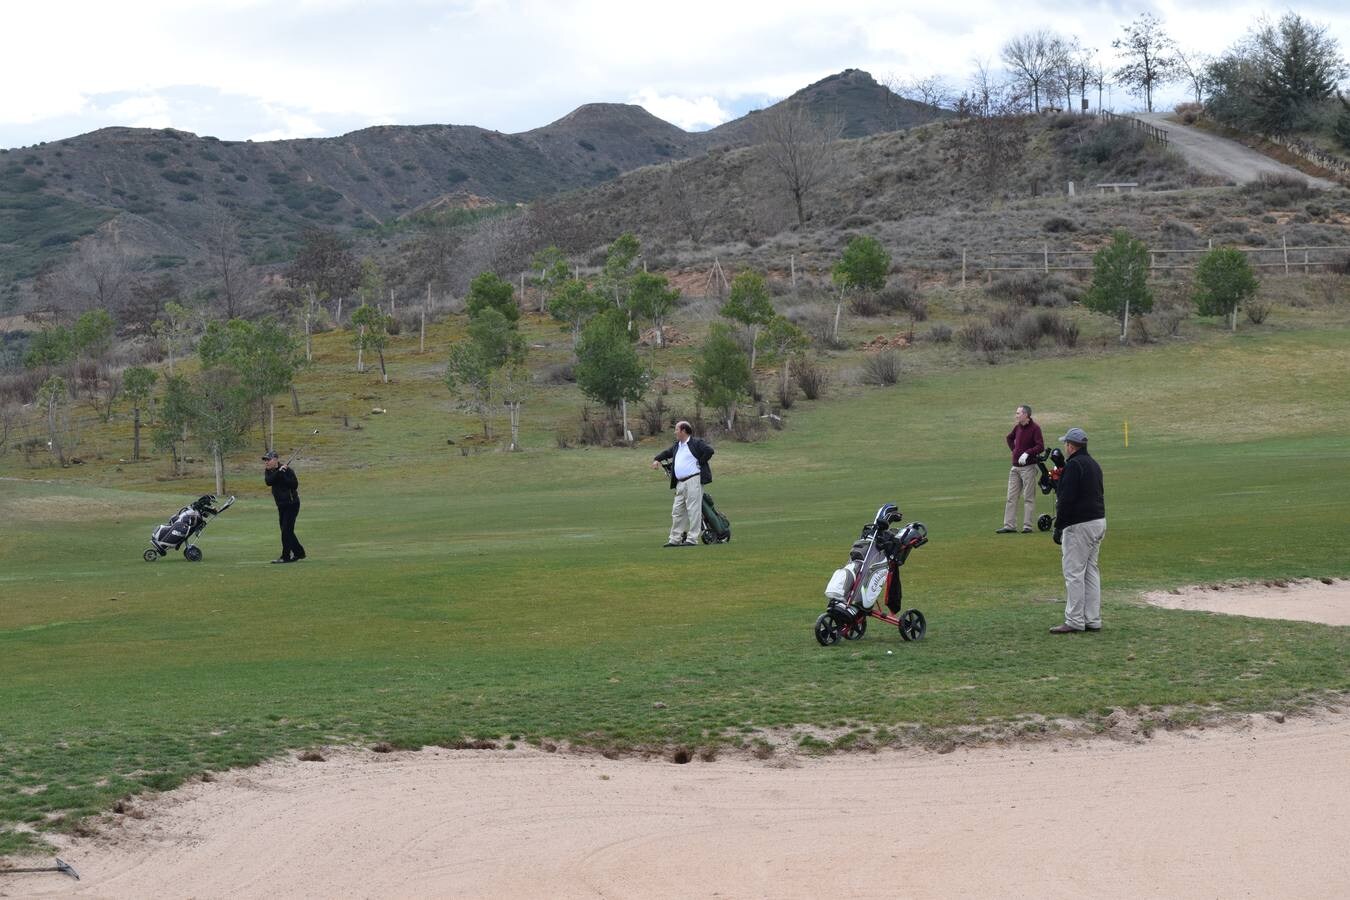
[527, 597]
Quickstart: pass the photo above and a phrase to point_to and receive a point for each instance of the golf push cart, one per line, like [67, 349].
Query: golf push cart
[181, 531]
[871, 575]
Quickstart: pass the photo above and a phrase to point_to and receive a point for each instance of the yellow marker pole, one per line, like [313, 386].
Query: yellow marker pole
[1127, 434]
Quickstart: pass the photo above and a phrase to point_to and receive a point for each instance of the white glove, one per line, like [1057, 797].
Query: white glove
[1022, 460]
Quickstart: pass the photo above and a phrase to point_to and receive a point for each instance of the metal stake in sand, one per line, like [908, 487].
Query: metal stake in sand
[61, 866]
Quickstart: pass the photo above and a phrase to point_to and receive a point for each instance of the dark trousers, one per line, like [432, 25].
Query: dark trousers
[290, 545]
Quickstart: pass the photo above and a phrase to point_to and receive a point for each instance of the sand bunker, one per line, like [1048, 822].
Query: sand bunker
[1255, 808]
[1306, 600]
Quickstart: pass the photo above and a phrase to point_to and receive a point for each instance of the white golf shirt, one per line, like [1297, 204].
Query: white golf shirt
[685, 463]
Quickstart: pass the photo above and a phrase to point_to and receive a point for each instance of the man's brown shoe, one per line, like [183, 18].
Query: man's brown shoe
[1064, 629]
[1093, 628]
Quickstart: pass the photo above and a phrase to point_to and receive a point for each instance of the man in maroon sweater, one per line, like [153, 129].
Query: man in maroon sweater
[1027, 445]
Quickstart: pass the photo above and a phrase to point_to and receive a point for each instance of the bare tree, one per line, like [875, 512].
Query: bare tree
[228, 266]
[799, 146]
[930, 91]
[1033, 58]
[1147, 51]
[991, 142]
[1194, 65]
[681, 204]
[99, 276]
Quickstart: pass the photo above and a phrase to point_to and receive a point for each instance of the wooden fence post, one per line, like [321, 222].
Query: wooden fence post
[1284, 241]
[1047, 258]
[963, 267]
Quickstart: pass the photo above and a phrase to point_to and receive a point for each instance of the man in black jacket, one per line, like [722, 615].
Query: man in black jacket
[1080, 525]
[689, 472]
[285, 491]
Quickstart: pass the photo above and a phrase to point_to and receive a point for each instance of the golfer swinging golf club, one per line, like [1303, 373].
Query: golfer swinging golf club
[286, 492]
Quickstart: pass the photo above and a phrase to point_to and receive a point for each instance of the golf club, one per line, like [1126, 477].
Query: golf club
[303, 447]
[61, 866]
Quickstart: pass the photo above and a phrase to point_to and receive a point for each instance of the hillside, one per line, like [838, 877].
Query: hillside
[160, 190]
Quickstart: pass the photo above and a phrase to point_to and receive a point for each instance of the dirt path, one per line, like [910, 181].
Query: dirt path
[1260, 808]
[1224, 158]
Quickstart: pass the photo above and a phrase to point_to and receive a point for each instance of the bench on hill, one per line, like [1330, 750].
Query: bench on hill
[1118, 186]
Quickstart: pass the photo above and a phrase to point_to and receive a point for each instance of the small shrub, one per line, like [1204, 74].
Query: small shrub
[866, 305]
[1025, 334]
[1059, 225]
[809, 374]
[558, 373]
[881, 368]
[1229, 226]
[1189, 113]
[1257, 311]
[653, 415]
[747, 429]
[899, 296]
[938, 334]
[1067, 336]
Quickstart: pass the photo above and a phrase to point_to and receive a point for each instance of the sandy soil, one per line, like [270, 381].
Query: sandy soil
[1256, 808]
[1304, 601]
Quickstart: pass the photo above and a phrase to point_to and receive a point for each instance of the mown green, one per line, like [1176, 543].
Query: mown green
[526, 597]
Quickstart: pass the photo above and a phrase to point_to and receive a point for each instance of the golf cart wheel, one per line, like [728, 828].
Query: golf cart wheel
[193, 554]
[856, 629]
[708, 537]
[827, 629]
[912, 625]
[1045, 522]
[150, 555]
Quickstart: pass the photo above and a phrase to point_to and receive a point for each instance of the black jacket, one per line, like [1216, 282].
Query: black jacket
[1081, 497]
[285, 486]
[702, 451]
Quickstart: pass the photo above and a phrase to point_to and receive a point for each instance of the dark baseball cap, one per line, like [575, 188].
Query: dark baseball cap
[1074, 436]
[270, 454]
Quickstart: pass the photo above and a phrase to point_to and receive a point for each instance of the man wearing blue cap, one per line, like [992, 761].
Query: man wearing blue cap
[1080, 525]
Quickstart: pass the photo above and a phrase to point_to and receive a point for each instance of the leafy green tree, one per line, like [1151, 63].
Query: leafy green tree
[608, 368]
[488, 291]
[93, 333]
[1300, 67]
[1223, 282]
[264, 356]
[468, 375]
[554, 272]
[473, 371]
[722, 374]
[220, 415]
[372, 333]
[653, 298]
[52, 397]
[175, 415]
[748, 303]
[175, 329]
[138, 382]
[620, 263]
[53, 346]
[1120, 280]
[574, 304]
[863, 267]
[781, 341]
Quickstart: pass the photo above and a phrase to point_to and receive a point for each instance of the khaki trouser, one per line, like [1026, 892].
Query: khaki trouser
[686, 516]
[1082, 582]
[1021, 480]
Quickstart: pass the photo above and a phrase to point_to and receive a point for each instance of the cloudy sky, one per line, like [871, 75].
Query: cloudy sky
[269, 69]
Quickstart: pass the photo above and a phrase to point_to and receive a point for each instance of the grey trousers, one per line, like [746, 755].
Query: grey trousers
[686, 515]
[1082, 581]
[1021, 482]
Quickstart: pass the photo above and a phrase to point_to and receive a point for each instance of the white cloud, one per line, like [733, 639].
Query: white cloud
[515, 64]
[690, 114]
[145, 111]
